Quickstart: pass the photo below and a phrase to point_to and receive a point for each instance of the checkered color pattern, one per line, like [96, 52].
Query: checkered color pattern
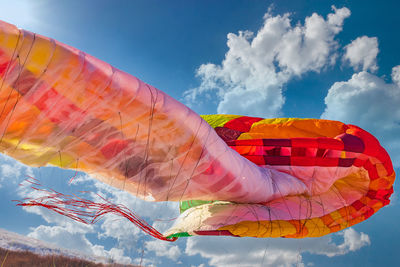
[292, 145]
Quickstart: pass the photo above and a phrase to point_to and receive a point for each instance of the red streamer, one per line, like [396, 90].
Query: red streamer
[84, 210]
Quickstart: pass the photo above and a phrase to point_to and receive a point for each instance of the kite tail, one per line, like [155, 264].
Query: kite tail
[84, 210]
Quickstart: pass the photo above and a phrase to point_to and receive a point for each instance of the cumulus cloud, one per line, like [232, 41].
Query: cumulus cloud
[58, 234]
[353, 241]
[9, 171]
[371, 103]
[362, 52]
[225, 251]
[164, 249]
[396, 75]
[250, 79]
[77, 241]
[12, 171]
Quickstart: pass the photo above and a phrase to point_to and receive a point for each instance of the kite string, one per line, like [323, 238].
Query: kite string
[84, 210]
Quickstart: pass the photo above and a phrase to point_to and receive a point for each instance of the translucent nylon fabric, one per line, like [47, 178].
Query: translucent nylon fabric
[63, 107]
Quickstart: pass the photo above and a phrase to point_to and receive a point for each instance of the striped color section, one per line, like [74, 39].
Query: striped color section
[359, 172]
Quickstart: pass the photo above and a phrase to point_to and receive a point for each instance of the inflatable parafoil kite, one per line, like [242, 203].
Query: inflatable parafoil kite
[234, 175]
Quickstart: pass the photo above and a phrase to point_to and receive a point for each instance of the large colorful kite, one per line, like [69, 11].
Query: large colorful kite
[234, 175]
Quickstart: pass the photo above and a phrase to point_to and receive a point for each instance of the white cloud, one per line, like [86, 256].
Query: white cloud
[369, 102]
[396, 75]
[59, 234]
[250, 79]
[353, 241]
[12, 171]
[309, 47]
[76, 241]
[125, 232]
[164, 249]
[226, 251]
[362, 52]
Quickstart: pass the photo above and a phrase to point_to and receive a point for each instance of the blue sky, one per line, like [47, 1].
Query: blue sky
[349, 71]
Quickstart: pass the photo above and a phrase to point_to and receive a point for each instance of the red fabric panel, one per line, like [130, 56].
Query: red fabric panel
[3, 68]
[352, 143]
[373, 148]
[242, 124]
[280, 160]
[277, 142]
[372, 172]
[371, 194]
[358, 205]
[298, 151]
[113, 148]
[214, 232]
[346, 162]
[329, 143]
[303, 161]
[304, 142]
[246, 142]
[227, 134]
[368, 213]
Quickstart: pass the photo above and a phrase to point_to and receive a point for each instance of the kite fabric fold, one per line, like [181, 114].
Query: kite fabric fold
[348, 174]
[234, 175]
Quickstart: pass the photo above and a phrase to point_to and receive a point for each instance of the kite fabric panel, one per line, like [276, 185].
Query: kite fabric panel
[348, 174]
[62, 107]
[234, 175]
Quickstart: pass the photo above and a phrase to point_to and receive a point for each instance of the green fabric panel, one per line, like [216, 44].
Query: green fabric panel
[183, 234]
[218, 120]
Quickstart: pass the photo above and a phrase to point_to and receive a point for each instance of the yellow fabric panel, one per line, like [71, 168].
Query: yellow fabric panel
[278, 120]
[39, 56]
[292, 127]
[358, 180]
[63, 160]
[261, 228]
[316, 227]
[294, 229]
[340, 218]
[218, 120]
[9, 40]
[26, 153]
